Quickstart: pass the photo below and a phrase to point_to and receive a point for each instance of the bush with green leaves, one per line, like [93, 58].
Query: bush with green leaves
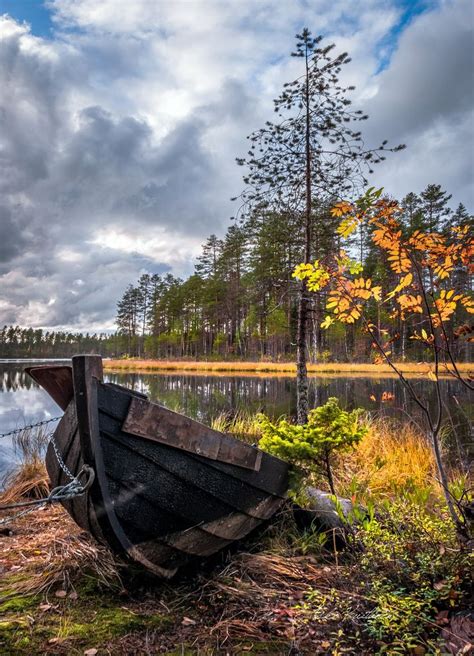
[312, 446]
[412, 567]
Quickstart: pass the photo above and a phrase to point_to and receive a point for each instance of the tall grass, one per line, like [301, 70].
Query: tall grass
[29, 478]
[393, 457]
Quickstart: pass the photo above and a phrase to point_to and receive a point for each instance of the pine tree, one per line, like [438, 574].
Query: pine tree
[313, 152]
[144, 294]
[434, 208]
[128, 315]
[412, 216]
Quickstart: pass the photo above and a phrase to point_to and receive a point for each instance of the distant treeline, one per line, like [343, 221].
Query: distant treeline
[241, 301]
[17, 342]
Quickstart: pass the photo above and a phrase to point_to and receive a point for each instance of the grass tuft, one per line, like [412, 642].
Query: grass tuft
[29, 479]
[241, 424]
[392, 457]
[53, 552]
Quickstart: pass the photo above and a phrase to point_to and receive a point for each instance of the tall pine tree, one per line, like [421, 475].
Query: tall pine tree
[313, 152]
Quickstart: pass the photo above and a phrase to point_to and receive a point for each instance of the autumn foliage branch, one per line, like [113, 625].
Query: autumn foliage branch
[422, 267]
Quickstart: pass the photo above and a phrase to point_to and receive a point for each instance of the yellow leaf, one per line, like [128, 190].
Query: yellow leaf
[347, 227]
[327, 322]
[432, 376]
[377, 293]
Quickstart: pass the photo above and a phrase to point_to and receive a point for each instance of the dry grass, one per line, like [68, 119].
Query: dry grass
[413, 368]
[258, 595]
[240, 424]
[48, 550]
[391, 457]
[29, 479]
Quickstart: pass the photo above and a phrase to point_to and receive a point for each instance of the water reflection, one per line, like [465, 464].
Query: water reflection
[206, 396]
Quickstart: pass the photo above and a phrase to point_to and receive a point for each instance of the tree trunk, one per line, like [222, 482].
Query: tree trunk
[303, 308]
[301, 371]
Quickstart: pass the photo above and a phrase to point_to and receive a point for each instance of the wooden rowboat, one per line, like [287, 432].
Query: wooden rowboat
[167, 489]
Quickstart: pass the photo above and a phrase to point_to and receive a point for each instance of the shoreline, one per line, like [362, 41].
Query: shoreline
[278, 368]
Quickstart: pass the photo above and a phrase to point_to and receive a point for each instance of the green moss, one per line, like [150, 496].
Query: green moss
[90, 621]
[106, 623]
[18, 604]
[13, 632]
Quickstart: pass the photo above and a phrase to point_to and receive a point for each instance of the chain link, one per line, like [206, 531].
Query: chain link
[59, 458]
[63, 492]
[18, 431]
[60, 493]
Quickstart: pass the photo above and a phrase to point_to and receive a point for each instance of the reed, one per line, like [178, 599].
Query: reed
[412, 368]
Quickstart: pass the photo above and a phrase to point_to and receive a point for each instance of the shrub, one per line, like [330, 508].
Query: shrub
[312, 446]
[412, 568]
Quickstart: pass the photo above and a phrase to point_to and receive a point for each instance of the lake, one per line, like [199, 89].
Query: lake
[203, 397]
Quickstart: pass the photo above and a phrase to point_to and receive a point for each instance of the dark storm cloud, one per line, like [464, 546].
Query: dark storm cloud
[111, 168]
[425, 99]
[12, 240]
[67, 174]
[431, 75]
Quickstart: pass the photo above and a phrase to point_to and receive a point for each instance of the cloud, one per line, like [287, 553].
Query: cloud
[118, 134]
[426, 100]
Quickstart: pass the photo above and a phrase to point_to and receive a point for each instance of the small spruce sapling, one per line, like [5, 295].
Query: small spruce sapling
[312, 446]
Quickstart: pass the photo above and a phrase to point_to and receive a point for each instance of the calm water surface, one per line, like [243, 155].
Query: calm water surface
[206, 396]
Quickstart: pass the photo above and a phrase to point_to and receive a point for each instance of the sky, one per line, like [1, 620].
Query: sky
[120, 123]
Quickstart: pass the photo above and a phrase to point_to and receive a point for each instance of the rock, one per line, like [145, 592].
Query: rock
[322, 513]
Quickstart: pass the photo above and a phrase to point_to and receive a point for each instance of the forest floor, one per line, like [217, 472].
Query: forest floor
[61, 594]
[65, 595]
[284, 368]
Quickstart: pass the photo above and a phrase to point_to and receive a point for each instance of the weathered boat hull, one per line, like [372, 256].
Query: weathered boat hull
[167, 489]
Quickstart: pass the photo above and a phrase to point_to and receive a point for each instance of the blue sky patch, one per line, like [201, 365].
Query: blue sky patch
[409, 10]
[33, 12]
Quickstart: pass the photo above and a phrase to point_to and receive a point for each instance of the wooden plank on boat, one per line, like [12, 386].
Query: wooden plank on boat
[196, 542]
[272, 477]
[154, 422]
